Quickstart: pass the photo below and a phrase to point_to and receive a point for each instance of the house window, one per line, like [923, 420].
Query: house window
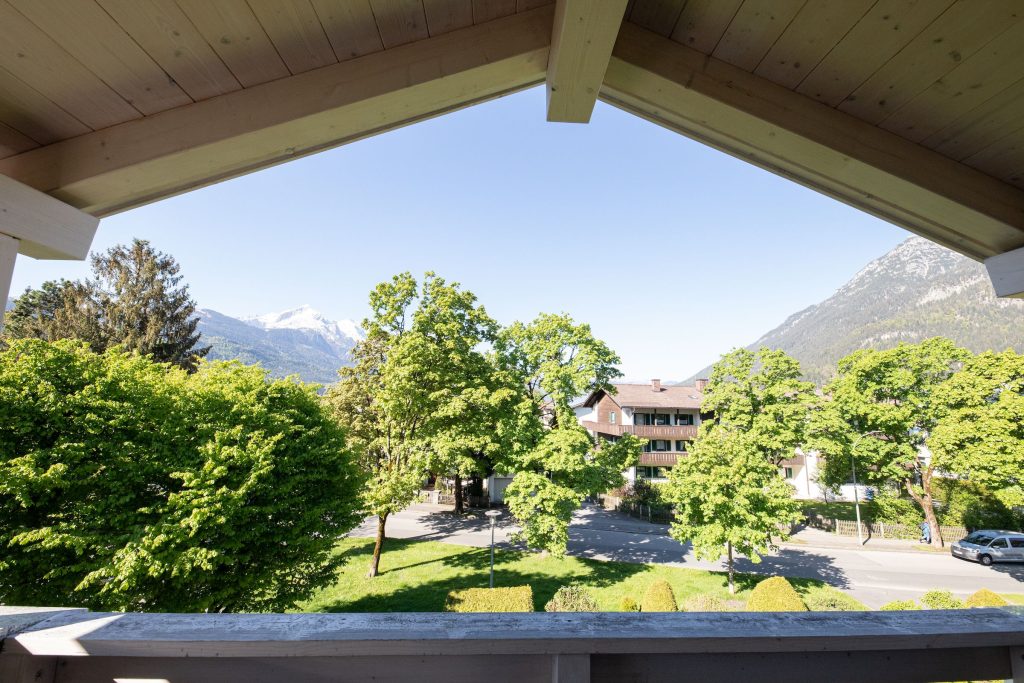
[662, 420]
[684, 419]
[611, 417]
[787, 472]
[683, 446]
[645, 472]
[659, 445]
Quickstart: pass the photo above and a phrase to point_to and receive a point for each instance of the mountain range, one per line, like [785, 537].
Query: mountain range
[299, 341]
[916, 291]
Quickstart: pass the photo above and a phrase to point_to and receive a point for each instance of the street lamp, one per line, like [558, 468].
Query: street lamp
[493, 514]
[856, 495]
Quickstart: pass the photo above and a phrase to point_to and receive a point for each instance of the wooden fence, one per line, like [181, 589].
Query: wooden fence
[845, 527]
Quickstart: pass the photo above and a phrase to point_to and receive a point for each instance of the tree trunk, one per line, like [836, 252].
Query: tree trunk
[460, 505]
[732, 575]
[378, 546]
[925, 501]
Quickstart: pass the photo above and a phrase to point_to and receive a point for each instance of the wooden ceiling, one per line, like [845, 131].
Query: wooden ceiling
[912, 110]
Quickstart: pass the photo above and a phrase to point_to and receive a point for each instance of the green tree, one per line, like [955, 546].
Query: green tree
[135, 300]
[554, 462]
[420, 372]
[728, 498]
[760, 394]
[980, 433]
[883, 407]
[131, 485]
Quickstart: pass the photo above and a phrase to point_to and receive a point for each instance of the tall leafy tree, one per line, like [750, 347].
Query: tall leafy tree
[420, 371]
[980, 433]
[729, 498]
[554, 462]
[131, 485]
[135, 299]
[760, 394]
[882, 408]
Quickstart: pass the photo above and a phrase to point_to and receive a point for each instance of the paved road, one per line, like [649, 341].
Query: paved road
[873, 576]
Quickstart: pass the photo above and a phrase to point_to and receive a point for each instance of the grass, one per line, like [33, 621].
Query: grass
[417, 575]
[1014, 598]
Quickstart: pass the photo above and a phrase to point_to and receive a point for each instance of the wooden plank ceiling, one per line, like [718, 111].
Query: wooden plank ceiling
[100, 100]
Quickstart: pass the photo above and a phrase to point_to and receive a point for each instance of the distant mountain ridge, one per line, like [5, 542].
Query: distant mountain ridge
[916, 291]
[300, 341]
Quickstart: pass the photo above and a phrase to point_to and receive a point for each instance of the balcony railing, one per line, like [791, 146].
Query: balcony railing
[659, 459]
[72, 646]
[646, 431]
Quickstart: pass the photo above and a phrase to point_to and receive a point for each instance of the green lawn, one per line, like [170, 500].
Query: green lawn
[1014, 598]
[417, 575]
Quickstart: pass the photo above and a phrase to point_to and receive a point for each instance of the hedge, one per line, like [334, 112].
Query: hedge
[571, 598]
[658, 598]
[511, 599]
[828, 599]
[628, 604]
[775, 595]
[936, 599]
[705, 603]
[899, 606]
[985, 598]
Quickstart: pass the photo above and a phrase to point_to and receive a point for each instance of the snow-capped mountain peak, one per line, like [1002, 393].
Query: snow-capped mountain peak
[306, 317]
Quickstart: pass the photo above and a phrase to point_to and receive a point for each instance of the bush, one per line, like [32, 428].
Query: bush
[936, 599]
[628, 604]
[985, 598]
[127, 484]
[889, 507]
[971, 505]
[899, 606]
[705, 603]
[511, 599]
[571, 598]
[643, 492]
[658, 598]
[775, 595]
[828, 599]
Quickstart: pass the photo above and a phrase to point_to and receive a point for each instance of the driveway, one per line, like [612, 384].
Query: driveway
[872, 576]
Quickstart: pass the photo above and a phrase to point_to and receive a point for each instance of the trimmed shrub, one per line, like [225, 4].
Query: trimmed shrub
[899, 606]
[511, 599]
[571, 598]
[658, 598]
[705, 603]
[935, 599]
[828, 599]
[628, 604]
[775, 595]
[985, 598]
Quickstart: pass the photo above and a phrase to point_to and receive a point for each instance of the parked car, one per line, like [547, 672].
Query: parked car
[988, 546]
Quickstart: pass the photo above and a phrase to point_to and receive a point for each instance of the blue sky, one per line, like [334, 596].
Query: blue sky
[672, 251]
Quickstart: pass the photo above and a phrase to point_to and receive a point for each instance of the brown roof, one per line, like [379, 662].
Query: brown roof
[644, 396]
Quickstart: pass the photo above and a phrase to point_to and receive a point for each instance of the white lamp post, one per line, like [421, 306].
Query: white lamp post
[856, 494]
[493, 514]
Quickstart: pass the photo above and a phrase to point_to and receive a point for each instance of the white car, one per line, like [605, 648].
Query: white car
[988, 546]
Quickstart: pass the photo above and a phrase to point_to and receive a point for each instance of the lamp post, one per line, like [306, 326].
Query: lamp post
[856, 494]
[493, 514]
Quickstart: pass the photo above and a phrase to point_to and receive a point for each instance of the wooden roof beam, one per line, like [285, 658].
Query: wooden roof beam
[582, 38]
[141, 161]
[820, 147]
[44, 227]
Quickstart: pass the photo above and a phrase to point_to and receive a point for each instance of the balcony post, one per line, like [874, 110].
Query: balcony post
[570, 669]
[8, 254]
[1017, 664]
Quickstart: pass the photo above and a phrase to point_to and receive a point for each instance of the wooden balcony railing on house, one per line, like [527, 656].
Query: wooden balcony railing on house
[660, 459]
[646, 431]
[79, 646]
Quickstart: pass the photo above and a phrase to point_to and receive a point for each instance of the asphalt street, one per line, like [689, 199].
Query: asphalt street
[872, 576]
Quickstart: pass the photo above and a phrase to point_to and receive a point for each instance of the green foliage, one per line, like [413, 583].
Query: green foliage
[658, 598]
[571, 598]
[988, 395]
[131, 485]
[975, 506]
[511, 599]
[629, 604]
[828, 599]
[775, 595]
[727, 496]
[889, 507]
[705, 603]
[899, 606]
[760, 394]
[936, 599]
[134, 301]
[985, 598]
[643, 492]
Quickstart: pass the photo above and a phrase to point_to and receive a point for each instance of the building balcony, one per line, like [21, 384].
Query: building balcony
[66, 646]
[659, 459]
[688, 432]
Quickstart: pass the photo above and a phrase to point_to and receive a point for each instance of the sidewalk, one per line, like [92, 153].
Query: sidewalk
[816, 538]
